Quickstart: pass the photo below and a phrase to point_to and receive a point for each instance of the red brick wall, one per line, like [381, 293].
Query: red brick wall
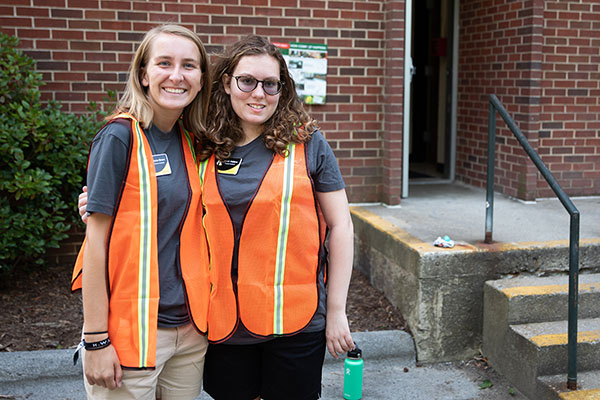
[500, 53]
[541, 59]
[393, 102]
[66, 254]
[83, 48]
[570, 130]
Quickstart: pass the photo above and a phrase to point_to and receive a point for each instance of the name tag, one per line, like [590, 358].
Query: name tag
[161, 164]
[230, 166]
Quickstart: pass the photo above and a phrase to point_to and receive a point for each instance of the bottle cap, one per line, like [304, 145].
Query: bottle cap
[356, 353]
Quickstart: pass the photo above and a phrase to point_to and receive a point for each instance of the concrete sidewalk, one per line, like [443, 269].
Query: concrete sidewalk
[390, 373]
[458, 210]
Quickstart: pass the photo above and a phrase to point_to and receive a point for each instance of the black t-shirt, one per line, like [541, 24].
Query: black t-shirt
[106, 172]
[238, 189]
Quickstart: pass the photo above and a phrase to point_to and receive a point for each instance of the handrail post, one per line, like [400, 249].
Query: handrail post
[495, 105]
[573, 291]
[489, 204]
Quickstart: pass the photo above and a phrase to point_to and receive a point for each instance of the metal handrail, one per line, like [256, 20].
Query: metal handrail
[495, 105]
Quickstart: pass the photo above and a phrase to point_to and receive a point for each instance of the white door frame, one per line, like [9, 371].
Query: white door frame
[408, 73]
[454, 105]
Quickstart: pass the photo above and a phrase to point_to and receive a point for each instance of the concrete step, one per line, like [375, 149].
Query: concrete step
[547, 341]
[533, 350]
[525, 328]
[529, 299]
[554, 386]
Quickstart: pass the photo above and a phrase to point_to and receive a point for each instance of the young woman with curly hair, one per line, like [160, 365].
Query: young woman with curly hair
[272, 190]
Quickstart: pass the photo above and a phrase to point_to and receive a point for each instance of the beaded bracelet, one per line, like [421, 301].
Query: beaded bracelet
[96, 345]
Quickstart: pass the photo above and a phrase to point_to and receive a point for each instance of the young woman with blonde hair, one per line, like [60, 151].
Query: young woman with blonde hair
[145, 292]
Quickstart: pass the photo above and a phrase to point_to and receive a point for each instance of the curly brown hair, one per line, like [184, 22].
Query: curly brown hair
[290, 123]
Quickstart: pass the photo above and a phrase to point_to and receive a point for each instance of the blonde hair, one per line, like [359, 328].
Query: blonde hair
[135, 98]
[289, 124]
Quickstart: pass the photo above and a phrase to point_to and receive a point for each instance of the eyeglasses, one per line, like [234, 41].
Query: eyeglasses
[249, 83]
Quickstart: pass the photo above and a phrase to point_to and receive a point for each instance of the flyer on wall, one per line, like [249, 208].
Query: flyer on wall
[307, 63]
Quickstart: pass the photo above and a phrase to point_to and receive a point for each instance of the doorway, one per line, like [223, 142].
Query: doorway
[431, 142]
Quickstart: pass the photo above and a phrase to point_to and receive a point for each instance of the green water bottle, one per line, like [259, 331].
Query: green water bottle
[353, 374]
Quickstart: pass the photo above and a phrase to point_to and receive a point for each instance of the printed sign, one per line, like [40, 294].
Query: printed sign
[307, 64]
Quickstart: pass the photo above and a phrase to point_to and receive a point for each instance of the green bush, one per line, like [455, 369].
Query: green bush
[43, 156]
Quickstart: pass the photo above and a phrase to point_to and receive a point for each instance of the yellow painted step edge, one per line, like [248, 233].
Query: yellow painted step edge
[548, 289]
[561, 338]
[592, 394]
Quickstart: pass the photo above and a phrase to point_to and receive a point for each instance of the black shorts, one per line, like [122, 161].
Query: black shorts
[283, 368]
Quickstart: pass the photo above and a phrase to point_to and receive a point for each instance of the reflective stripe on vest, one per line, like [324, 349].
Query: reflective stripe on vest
[132, 254]
[282, 237]
[145, 248]
[278, 262]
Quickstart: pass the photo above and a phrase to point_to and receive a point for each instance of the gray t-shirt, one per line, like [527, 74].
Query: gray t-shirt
[106, 172]
[238, 190]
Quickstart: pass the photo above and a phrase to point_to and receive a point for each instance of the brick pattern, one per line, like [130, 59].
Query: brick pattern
[570, 106]
[68, 250]
[541, 59]
[393, 102]
[83, 49]
[500, 53]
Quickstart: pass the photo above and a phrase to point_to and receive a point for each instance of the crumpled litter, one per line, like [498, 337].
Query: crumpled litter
[444, 242]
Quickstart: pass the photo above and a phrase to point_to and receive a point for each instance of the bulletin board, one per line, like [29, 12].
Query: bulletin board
[307, 63]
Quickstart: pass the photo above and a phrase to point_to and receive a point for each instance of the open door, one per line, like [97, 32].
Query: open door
[430, 128]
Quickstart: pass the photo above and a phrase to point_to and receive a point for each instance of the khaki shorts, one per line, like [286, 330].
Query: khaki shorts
[178, 374]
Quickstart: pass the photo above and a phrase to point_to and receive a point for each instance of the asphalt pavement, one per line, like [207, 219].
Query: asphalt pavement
[390, 373]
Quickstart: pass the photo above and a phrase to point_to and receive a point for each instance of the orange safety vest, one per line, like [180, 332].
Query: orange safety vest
[132, 255]
[279, 252]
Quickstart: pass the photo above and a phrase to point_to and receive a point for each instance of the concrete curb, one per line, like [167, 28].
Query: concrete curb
[382, 345]
[26, 365]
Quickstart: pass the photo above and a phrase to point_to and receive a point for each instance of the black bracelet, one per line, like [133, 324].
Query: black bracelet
[94, 333]
[96, 345]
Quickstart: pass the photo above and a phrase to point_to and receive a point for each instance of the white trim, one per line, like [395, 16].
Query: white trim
[454, 106]
[406, 108]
